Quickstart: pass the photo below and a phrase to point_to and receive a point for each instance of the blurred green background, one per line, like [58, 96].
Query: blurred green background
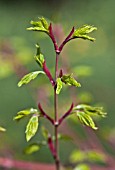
[17, 48]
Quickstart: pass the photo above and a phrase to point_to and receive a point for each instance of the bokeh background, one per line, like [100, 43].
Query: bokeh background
[17, 48]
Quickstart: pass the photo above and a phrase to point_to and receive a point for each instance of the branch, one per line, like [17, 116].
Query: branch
[46, 70]
[53, 38]
[66, 114]
[66, 40]
[44, 114]
[51, 147]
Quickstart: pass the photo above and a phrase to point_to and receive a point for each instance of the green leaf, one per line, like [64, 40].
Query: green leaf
[68, 79]
[39, 57]
[84, 113]
[91, 110]
[2, 129]
[31, 149]
[27, 78]
[44, 23]
[82, 167]
[31, 127]
[86, 119]
[18, 117]
[24, 113]
[59, 85]
[83, 31]
[41, 25]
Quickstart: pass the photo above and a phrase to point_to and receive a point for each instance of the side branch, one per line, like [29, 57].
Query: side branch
[44, 114]
[53, 38]
[51, 147]
[46, 70]
[66, 40]
[66, 114]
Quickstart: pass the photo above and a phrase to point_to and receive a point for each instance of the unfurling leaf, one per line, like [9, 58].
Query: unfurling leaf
[68, 79]
[84, 113]
[31, 127]
[24, 113]
[91, 110]
[86, 120]
[2, 129]
[39, 56]
[83, 31]
[18, 117]
[41, 25]
[27, 78]
[31, 149]
[44, 23]
[59, 85]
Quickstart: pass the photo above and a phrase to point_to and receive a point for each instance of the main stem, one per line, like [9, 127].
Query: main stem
[57, 162]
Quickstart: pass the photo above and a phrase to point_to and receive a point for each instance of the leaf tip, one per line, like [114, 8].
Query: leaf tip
[19, 84]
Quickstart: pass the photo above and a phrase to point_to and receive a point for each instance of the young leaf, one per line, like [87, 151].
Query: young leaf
[91, 110]
[39, 57]
[18, 117]
[59, 85]
[83, 31]
[41, 25]
[68, 79]
[2, 129]
[44, 23]
[24, 113]
[31, 127]
[86, 119]
[31, 149]
[27, 78]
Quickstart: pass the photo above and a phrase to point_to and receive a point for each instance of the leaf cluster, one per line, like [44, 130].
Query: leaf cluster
[83, 32]
[84, 113]
[41, 25]
[66, 79]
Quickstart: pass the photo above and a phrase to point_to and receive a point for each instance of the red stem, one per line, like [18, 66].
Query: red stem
[51, 146]
[44, 114]
[53, 38]
[46, 70]
[66, 40]
[57, 162]
[66, 114]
